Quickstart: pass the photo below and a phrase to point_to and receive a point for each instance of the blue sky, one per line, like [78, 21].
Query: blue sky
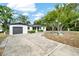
[33, 10]
[42, 9]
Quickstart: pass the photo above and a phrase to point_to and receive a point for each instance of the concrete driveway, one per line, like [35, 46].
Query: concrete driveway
[36, 45]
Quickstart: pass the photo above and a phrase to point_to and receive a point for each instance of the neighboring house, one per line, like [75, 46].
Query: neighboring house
[19, 28]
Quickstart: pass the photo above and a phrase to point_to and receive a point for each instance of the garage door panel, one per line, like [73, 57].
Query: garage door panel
[17, 30]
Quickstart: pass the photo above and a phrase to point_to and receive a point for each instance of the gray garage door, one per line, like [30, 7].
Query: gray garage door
[17, 30]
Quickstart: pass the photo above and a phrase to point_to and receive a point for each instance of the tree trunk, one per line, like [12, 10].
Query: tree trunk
[75, 25]
[52, 28]
[61, 28]
[68, 29]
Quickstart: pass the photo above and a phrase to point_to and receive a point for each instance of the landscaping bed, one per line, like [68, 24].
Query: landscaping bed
[32, 31]
[1, 51]
[40, 30]
[70, 38]
[2, 37]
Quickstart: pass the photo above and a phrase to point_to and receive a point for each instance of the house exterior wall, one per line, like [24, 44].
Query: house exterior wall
[44, 29]
[31, 28]
[41, 28]
[25, 29]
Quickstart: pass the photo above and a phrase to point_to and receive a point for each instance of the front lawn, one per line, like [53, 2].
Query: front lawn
[69, 38]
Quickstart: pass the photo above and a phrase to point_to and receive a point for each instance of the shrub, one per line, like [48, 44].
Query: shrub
[40, 30]
[31, 31]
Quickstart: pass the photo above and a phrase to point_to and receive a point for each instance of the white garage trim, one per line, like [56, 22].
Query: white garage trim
[25, 29]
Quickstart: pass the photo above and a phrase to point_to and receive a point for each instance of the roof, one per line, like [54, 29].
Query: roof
[17, 24]
[35, 25]
[30, 25]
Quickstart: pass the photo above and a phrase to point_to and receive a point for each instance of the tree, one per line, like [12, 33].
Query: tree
[5, 17]
[61, 17]
[28, 22]
[23, 19]
[37, 22]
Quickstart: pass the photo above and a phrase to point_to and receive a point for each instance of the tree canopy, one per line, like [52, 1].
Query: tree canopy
[62, 16]
[5, 16]
[23, 19]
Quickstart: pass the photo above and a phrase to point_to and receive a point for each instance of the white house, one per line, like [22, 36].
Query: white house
[23, 28]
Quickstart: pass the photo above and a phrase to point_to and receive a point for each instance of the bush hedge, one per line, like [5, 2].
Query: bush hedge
[40, 30]
[32, 31]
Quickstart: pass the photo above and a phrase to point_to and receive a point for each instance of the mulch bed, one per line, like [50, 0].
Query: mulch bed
[1, 51]
[69, 38]
[2, 37]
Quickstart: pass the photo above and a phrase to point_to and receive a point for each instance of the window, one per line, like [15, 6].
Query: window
[37, 28]
[28, 27]
[34, 28]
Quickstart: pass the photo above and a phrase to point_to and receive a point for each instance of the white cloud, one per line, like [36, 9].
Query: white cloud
[26, 14]
[20, 5]
[38, 16]
[23, 7]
